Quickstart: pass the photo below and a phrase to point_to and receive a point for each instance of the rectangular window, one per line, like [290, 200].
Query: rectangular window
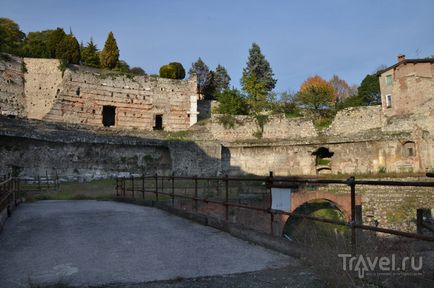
[108, 116]
[389, 80]
[158, 122]
[388, 101]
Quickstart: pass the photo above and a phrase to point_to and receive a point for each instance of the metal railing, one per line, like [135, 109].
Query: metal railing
[9, 188]
[164, 188]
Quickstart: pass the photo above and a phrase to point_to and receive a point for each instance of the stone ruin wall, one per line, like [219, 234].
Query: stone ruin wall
[79, 94]
[275, 128]
[355, 120]
[43, 80]
[357, 157]
[137, 101]
[12, 100]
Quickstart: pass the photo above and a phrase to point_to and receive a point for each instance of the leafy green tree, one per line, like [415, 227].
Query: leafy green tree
[287, 105]
[90, 55]
[11, 37]
[173, 70]
[43, 44]
[137, 71]
[221, 79]
[122, 67]
[201, 70]
[369, 90]
[54, 37]
[109, 56]
[69, 50]
[231, 103]
[259, 98]
[258, 68]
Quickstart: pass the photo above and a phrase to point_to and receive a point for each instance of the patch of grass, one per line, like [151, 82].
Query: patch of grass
[93, 190]
[179, 135]
[323, 122]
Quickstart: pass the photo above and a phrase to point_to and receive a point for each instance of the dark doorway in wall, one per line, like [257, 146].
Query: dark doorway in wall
[108, 116]
[158, 122]
[323, 157]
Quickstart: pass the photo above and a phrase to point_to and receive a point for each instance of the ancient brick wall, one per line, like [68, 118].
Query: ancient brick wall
[79, 94]
[12, 101]
[137, 100]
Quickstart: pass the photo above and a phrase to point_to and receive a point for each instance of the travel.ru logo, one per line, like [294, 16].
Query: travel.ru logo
[381, 265]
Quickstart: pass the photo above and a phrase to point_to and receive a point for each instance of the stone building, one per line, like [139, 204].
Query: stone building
[38, 89]
[407, 87]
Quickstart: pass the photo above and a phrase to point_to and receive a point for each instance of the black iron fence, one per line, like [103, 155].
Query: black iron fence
[234, 198]
[9, 188]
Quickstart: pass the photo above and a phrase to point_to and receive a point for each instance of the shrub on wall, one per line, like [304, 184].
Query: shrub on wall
[173, 70]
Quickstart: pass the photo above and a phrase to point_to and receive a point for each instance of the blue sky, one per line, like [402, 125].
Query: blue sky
[299, 38]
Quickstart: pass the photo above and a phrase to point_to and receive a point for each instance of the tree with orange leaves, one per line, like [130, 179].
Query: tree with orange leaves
[317, 96]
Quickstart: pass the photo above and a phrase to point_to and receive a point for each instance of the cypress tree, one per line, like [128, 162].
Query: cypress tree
[109, 56]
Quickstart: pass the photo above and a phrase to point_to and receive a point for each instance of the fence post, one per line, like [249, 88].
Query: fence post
[269, 184]
[156, 186]
[226, 197]
[143, 186]
[195, 193]
[57, 182]
[46, 180]
[173, 189]
[117, 186]
[419, 220]
[132, 186]
[124, 186]
[352, 183]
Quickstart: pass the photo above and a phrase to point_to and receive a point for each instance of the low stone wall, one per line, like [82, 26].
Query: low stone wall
[355, 120]
[276, 128]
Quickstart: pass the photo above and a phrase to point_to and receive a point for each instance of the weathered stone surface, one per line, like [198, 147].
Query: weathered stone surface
[78, 95]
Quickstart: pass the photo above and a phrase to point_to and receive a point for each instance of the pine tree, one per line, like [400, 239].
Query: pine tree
[69, 50]
[221, 79]
[258, 68]
[109, 56]
[201, 70]
[258, 82]
[89, 55]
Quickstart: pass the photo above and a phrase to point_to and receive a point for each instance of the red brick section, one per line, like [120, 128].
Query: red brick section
[342, 201]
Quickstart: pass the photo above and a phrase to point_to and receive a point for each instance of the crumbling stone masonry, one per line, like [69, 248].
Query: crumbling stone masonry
[94, 97]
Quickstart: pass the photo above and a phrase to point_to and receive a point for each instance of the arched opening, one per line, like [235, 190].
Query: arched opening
[305, 230]
[323, 158]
